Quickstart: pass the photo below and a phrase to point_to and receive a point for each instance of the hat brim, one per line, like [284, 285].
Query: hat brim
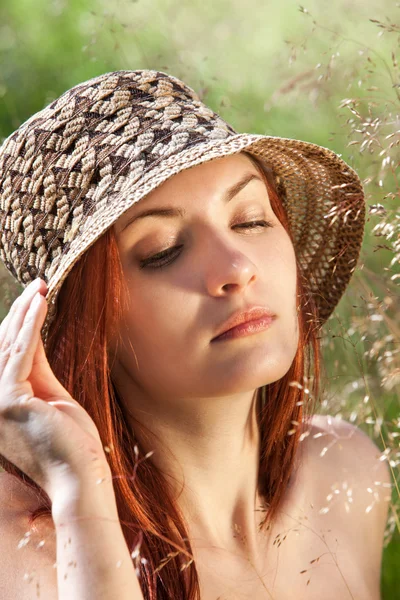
[323, 197]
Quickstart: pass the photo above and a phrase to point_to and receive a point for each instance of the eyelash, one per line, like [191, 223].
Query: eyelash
[153, 263]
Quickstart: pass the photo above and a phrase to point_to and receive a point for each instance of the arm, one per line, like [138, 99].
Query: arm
[54, 441]
[93, 560]
[372, 494]
[361, 508]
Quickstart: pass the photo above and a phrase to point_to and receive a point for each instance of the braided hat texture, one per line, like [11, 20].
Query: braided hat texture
[70, 171]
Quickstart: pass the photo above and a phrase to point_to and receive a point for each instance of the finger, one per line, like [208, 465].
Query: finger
[20, 309]
[13, 321]
[4, 340]
[22, 351]
[5, 322]
[27, 293]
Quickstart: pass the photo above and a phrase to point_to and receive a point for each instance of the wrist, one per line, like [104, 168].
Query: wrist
[86, 498]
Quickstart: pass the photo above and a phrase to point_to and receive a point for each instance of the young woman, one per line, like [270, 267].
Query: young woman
[161, 370]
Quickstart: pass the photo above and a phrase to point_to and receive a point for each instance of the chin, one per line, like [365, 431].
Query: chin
[238, 376]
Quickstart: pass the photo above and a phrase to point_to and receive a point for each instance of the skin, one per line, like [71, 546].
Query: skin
[198, 397]
[178, 384]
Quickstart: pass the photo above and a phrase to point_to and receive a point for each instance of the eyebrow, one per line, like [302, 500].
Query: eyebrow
[168, 211]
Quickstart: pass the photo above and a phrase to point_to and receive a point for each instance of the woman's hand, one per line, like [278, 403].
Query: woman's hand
[43, 430]
[52, 439]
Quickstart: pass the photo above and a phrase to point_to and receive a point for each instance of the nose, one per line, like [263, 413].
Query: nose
[227, 270]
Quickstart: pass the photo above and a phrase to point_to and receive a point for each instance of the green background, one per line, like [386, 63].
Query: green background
[326, 73]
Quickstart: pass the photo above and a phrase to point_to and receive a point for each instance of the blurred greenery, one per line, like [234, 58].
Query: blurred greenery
[326, 73]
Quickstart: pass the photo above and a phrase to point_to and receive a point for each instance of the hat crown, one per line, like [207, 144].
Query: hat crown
[70, 171]
[59, 163]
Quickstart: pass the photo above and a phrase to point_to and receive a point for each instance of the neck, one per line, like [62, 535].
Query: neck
[210, 455]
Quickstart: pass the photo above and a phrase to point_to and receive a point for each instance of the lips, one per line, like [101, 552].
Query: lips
[251, 313]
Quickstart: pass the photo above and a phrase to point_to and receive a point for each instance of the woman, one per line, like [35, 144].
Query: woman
[165, 420]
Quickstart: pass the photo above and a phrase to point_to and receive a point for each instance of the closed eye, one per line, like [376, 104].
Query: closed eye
[162, 259]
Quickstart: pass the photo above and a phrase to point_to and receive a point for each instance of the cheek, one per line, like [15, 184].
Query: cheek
[283, 290]
[152, 321]
[279, 267]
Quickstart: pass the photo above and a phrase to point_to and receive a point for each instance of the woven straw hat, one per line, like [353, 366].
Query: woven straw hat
[70, 171]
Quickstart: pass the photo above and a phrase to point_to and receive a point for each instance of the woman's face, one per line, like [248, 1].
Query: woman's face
[216, 266]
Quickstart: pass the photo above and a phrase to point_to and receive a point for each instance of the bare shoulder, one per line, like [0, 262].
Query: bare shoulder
[350, 487]
[14, 494]
[27, 556]
[350, 452]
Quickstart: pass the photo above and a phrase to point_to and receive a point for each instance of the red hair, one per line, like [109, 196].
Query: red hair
[78, 353]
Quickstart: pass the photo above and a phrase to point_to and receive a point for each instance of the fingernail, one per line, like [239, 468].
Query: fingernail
[35, 284]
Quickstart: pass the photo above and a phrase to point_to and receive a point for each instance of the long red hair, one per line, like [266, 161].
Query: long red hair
[78, 352]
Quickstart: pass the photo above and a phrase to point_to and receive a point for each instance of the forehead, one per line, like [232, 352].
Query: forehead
[211, 179]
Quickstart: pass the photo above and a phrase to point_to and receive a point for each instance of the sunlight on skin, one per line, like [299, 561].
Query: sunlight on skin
[197, 397]
[297, 524]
